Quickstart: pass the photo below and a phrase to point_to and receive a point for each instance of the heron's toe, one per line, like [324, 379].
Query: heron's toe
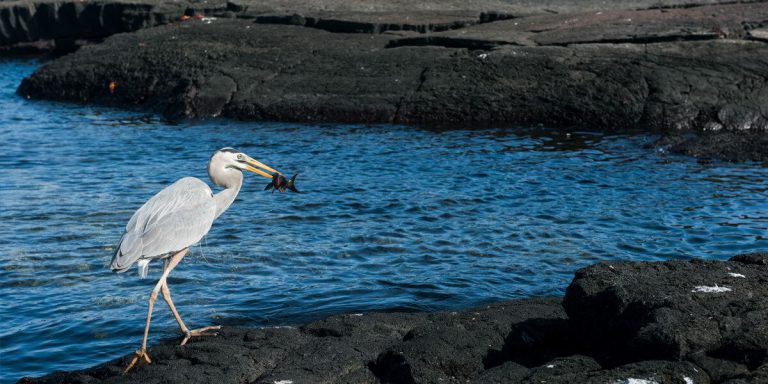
[200, 332]
[138, 356]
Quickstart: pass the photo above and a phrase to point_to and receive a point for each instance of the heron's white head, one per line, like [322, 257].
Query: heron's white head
[226, 165]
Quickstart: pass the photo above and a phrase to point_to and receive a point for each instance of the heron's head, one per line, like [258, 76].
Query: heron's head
[226, 162]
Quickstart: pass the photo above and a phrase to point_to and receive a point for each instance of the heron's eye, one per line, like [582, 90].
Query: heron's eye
[240, 156]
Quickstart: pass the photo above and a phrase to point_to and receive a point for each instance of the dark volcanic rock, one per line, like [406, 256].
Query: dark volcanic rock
[672, 310]
[758, 376]
[610, 27]
[452, 347]
[719, 370]
[623, 65]
[60, 24]
[340, 349]
[641, 372]
[669, 322]
[300, 74]
[508, 372]
[729, 146]
[537, 340]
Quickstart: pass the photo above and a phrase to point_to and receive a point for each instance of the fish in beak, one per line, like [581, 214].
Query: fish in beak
[279, 183]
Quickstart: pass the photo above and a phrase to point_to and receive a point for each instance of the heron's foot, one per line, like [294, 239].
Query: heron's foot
[140, 355]
[200, 332]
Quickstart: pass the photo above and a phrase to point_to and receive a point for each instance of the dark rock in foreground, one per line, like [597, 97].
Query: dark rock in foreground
[676, 310]
[666, 322]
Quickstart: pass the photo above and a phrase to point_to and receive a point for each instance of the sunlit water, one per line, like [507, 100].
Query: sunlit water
[392, 218]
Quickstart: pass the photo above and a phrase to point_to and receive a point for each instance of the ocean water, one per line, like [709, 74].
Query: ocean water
[392, 218]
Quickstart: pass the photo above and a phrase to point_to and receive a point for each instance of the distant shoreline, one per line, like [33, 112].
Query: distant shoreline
[692, 71]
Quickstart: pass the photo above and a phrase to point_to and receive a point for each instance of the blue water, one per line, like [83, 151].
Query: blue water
[393, 218]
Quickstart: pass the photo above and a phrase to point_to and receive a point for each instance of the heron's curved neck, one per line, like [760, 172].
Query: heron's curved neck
[225, 197]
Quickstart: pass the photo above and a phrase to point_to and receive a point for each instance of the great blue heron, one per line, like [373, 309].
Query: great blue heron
[173, 220]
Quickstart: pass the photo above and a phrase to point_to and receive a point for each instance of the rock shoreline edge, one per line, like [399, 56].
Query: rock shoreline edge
[664, 322]
[693, 72]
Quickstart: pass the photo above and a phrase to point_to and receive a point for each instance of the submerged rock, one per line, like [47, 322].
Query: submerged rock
[629, 323]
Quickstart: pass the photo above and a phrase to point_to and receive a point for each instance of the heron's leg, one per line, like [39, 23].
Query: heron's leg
[186, 331]
[167, 297]
[141, 353]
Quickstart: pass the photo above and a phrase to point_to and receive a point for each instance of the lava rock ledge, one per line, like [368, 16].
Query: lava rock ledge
[693, 71]
[620, 322]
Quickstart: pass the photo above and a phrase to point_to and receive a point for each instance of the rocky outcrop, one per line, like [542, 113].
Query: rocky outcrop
[291, 73]
[665, 322]
[44, 24]
[733, 146]
[626, 312]
[63, 25]
[697, 68]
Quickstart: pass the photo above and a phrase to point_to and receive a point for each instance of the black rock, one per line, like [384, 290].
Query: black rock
[682, 70]
[663, 322]
[626, 312]
[454, 346]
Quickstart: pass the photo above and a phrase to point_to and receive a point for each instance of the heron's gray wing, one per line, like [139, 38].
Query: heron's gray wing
[175, 218]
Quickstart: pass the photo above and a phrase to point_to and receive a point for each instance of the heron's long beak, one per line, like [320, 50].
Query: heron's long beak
[258, 167]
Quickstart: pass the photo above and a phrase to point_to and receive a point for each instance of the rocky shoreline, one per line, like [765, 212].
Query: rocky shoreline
[693, 71]
[662, 322]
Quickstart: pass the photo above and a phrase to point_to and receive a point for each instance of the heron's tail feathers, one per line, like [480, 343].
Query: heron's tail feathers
[143, 265]
[127, 253]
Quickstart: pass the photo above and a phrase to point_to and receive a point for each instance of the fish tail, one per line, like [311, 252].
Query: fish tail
[291, 185]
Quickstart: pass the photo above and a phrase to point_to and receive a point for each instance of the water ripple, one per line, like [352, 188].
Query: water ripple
[392, 218]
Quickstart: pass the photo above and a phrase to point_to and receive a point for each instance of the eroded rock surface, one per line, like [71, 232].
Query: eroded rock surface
[301, 74]
[676, 310]
[664, 322]
[672, 67]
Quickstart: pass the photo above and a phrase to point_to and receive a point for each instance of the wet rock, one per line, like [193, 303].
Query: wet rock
[758, 258]
[674, 310]
[727, 146]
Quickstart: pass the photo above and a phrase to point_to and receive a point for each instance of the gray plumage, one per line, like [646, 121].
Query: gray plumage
[181, 214]
[175, 218]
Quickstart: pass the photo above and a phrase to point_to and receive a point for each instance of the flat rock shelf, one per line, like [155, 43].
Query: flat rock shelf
[692, 71]
[662, 322]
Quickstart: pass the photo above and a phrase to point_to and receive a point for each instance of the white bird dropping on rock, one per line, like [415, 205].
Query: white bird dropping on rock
[708, 289]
